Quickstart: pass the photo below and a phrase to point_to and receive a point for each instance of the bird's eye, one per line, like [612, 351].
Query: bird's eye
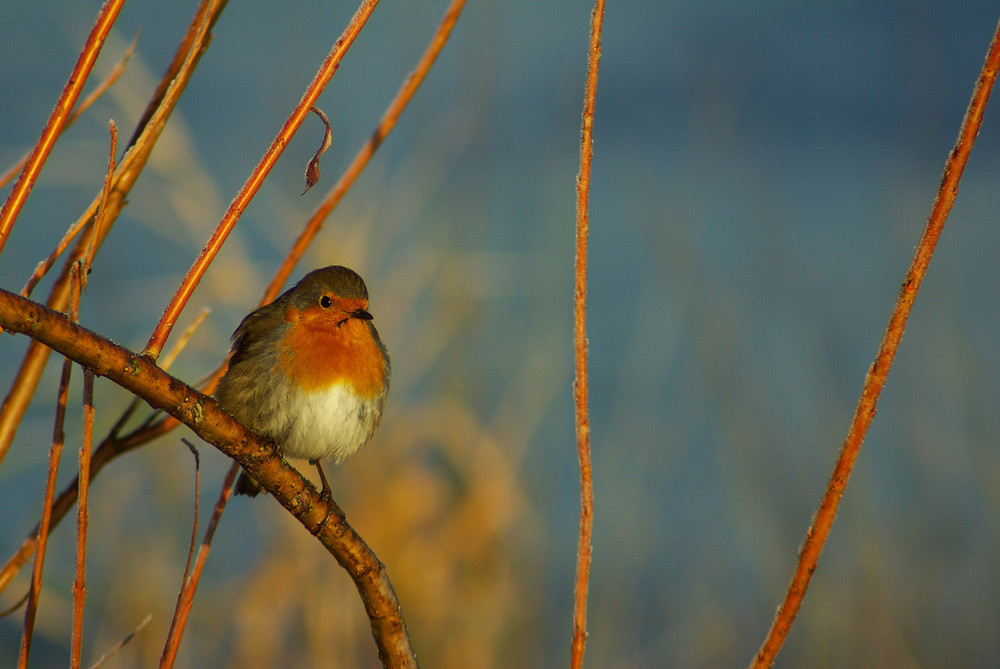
[325, 302]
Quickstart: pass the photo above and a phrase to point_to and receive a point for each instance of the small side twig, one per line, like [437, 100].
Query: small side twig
[101, 220]
[118, 646]
[818, 532]
[177, 623]
[186, 596]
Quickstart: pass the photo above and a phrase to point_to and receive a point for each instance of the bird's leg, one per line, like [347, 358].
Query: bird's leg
[326, 495]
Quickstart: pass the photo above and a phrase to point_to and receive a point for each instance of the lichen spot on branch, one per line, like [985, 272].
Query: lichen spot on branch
[132, 367]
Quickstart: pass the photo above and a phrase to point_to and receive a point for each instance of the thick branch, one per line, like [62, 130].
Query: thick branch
[160, 390]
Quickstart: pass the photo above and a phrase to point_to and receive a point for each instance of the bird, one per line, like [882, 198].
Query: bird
[309, 372]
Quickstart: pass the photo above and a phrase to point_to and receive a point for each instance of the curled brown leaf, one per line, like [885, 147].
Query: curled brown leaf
[312, 169]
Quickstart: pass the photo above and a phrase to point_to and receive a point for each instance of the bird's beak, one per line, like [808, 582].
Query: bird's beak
[360, 313]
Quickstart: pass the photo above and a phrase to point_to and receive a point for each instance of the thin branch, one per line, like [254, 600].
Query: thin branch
[256, 179]
[580, 384]
[101, 219]
[83, 515]
[118, 646]
[116, 72]
[817, 534]
[42, 532]
[171, 645]
[57, 119]
[186, 596]
[382, 130]
[86, 447]
[140, 376]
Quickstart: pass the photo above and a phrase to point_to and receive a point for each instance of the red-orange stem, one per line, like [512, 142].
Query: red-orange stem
[817, 534]
[580, 383]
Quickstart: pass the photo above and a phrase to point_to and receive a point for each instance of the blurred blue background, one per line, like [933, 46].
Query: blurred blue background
[762, 173]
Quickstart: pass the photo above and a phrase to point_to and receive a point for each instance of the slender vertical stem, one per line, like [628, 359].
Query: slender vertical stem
[580, 383]
[817, 534]
[42, 536]
[83, 514]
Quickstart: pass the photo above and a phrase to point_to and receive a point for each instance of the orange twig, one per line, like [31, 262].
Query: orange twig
[57, 119]
[382, 130]
[116, 72]
[43, 267]
[580, 385]
[817, 534]
[171, 645]
[82, 268]
[101, 219]
[253, 183]
[186, 596]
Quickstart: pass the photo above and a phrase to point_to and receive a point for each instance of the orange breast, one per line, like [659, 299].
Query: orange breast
[316, 353]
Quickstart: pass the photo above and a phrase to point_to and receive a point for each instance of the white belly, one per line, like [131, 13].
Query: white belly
[331, 424]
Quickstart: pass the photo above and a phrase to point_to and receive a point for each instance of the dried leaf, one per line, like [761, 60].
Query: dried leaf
[312, 169]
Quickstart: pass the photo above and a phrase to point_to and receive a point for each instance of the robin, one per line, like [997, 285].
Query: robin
[309, 372]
